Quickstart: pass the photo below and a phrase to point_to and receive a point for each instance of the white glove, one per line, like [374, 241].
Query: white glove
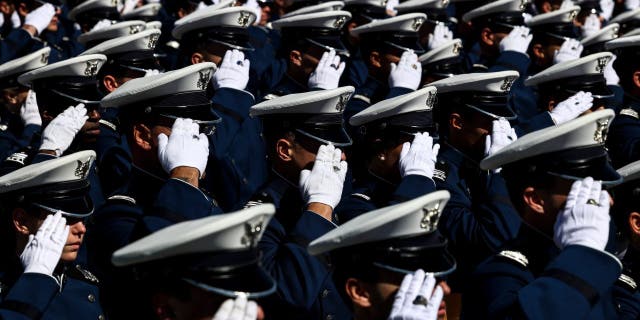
[324, 183]
[607, 7]
[61, 131]
[517, 40]
[29, 112]
[585, 218]
[631, 4]
[572, 107]
[527, 17]
[233, 72]
[101, 25]
[407, 73]
[185, 147]
[610, 74]
[128, 6]
[239, 309]
[501, 135]
[441, 34]
[405, 304]
[591, 25]
[201, 5]
[41, 17]
[566, 4]
[15, 20]
[419, 157]
[255, 7]
[570, 50]
[43, 251]
[390, 8]
[327, 73]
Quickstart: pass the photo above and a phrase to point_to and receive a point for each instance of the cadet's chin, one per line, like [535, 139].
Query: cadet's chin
[70, 253]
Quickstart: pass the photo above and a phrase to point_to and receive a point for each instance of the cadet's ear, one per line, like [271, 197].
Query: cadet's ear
[22, 9]
[486, 36]
[374, 59]
[551, 104]
[538, 51]
[196, 58]
[142, 136]
[546, 7]
[110, 83]
[295, 58]
[284, 150]
[634, 223]
[21, 221]
[357, 292]
[455, 121]
[161, 307]
[532, 199]
[636, 79]
[10, 96]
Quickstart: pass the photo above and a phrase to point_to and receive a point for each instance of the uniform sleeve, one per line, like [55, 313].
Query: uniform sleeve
[483, 225]
[10, 144]
[16, 44]
[623, 139]
[628, 302]
[571, 285]
[299, 276]
[29, 297]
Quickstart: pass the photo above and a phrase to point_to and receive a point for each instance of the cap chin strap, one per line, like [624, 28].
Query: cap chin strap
[337, 144]
[230, 293]
[64, 213]
[341, 52]
[232, 46]
[491, 114]
[574, 178]
[74, 98]
[404, 271]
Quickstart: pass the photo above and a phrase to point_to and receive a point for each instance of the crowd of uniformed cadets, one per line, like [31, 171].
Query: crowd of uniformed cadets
[308, 159]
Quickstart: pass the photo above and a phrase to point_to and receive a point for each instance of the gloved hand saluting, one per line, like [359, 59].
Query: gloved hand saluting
[29, 112]
[233, 72]
[501, 135]
[591, 25]
[419, 156]
[324, 183]
[407, 73]
[61, 131]
[185, 147]
[441, 34]
[238, 309]
[569, 50]
[572, 107]
[518, 40]
[40, 17]
[43, 251]
[585, 218]
[327, 73]
[416, 299]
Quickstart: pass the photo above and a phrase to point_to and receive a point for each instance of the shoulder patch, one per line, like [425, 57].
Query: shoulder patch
[123, 198]
[361, 196]
[629, 112]
[516, 256]
[441, 170]
[628, 282]
[18, 157]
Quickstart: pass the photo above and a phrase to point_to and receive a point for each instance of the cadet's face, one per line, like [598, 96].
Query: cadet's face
[13, 98]
[91, 128]
[53, 24]
[383, 292]
[74, 239]
[474, 131]
[310, 59]
[304, 153]
[6, 8]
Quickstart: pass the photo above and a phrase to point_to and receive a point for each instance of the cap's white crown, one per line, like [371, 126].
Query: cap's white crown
[143, 41]
[589, 65]
[91, 5]
[313, 102]
[73, 167]
[322, 7]
[495, 7]
[23, 64]
[419, 100]
[588, 130]
[605, 34]
[448, 50]
[113, 31]
[410, 22]
[240, 230]
[326, 19]
[483, 82]
[211, 17]
[407, 219]
[80, 66]
[147, 10]
[566, 15]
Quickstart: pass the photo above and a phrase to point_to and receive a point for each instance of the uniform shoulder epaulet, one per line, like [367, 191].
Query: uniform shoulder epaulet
[362, 98]
[440, 171]
[361, 196]
[270, 96]
[80, 273]
[629, 112]
[515, 256]
[627, 282]
[122, 198]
